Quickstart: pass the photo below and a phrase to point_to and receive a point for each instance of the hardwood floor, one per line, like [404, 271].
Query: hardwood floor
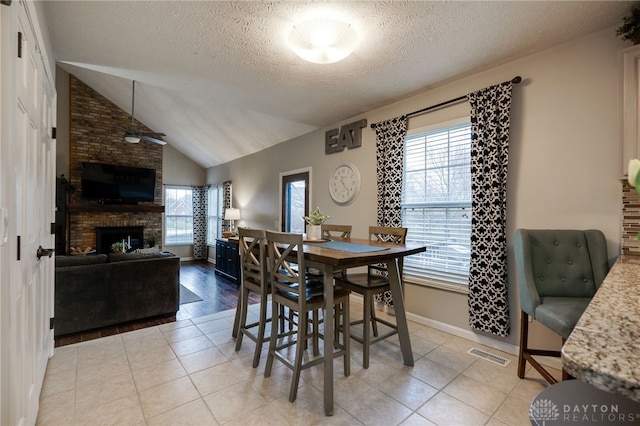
[217, 293]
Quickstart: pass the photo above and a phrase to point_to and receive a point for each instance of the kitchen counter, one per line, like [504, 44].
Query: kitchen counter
[604, 347]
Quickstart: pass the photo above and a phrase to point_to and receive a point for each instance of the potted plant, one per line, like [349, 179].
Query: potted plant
[120, 247]
[152, 240]
[314, 224]
[630, 28]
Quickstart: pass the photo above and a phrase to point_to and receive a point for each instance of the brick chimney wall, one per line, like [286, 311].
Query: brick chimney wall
[93, 138]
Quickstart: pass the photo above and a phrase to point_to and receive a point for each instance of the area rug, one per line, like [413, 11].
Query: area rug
[187, 296]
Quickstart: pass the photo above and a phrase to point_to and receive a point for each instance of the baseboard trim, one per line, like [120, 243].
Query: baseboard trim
[467, 334]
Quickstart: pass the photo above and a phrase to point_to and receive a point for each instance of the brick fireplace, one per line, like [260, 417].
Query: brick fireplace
[93, 138]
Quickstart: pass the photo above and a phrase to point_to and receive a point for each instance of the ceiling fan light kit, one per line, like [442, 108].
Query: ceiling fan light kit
[323, 40]
[131, 134]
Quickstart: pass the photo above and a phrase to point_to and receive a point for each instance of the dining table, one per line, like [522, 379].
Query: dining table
[331, 256]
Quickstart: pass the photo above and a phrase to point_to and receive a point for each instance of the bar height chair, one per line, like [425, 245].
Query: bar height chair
[253, 278]
[374, 281]
[292, 289]
[558, 273]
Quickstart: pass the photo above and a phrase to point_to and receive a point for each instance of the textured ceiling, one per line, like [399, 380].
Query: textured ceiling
[220, 81]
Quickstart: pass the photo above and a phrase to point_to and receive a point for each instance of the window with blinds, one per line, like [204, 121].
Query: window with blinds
[214, 213]
[436, 203]
[178, 215]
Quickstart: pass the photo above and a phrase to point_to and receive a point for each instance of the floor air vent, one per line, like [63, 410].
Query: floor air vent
[503, 362]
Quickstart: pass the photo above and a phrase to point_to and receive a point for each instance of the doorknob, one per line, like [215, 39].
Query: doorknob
[44, 252]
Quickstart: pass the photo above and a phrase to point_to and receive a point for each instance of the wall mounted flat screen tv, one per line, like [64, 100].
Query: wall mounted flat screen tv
[112, 183]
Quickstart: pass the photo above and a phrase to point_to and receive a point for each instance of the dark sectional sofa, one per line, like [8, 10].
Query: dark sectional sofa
[103, 290]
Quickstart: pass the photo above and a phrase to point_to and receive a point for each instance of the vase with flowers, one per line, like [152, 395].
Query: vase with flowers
[314, 224]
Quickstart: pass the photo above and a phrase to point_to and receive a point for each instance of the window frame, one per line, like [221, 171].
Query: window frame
[414, 275]
[218, 189]
[167, 216]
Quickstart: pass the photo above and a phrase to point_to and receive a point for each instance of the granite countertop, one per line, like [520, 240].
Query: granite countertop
[604, 347]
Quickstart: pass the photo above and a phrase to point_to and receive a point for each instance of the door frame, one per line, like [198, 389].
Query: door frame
[281, 180]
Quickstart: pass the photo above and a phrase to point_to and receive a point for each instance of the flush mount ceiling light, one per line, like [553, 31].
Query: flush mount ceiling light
[323, 40]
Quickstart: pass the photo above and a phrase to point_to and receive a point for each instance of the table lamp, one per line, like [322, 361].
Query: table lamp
[232, 214]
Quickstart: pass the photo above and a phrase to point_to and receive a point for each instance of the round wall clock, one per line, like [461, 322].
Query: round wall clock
[344, 184]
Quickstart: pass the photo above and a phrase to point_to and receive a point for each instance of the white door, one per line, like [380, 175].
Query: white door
[28, 174]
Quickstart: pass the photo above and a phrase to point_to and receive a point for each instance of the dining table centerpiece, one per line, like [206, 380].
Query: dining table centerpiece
[314, 224]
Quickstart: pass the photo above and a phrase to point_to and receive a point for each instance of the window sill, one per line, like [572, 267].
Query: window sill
[440, 285]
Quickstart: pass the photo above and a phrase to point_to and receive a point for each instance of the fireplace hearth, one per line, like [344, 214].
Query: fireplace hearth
[107, 235]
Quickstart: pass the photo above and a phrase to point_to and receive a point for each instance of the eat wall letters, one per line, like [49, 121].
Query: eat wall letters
[348, 136]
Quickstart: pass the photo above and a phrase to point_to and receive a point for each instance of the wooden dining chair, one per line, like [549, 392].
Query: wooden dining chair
[253, 278]
[329, 231]
[370, 283]
[335, 231]
[293, 290]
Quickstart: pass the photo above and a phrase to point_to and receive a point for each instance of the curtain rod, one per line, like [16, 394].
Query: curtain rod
[515, 80]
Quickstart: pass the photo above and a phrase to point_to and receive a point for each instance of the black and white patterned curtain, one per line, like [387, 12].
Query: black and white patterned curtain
[490, 119]
[200, 250]
[226, 203]
[390, 136]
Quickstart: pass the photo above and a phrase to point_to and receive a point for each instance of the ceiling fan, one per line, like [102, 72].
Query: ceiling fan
[131, 134]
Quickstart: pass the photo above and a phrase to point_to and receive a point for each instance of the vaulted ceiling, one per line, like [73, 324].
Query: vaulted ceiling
[219, 79]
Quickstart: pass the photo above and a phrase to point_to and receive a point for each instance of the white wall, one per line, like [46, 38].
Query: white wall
[178, 169]
[62, 124]
[564, 161]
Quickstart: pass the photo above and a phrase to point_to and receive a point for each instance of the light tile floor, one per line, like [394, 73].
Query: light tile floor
[188, 373]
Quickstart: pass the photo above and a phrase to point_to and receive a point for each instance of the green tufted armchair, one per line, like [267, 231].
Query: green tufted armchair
[558, 272]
